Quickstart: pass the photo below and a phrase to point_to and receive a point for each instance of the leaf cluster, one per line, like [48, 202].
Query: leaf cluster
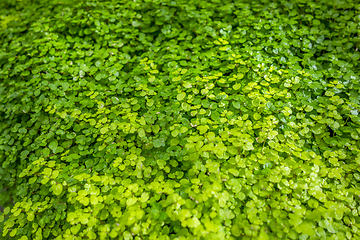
[159, 119]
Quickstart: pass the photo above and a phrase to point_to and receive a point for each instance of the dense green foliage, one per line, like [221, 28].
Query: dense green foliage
[159, 119]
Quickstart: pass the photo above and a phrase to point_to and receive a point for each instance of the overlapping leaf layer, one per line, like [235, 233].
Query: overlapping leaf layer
[159, 119]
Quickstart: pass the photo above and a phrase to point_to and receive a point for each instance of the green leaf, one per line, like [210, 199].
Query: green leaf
[53, 145]
[186, 106]
[131, 201]
[104, 130]
[158, 143]
[181, 96]
[237, 86]
[215, 116]
[256, 116]
[236, 105]
[141, 132]
[309, 108]
[57, 189]
[175, 133]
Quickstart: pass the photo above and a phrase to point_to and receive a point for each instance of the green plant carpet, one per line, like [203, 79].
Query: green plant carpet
[174, 119]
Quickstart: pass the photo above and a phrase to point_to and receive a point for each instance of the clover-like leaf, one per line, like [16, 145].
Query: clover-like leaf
[57, 189]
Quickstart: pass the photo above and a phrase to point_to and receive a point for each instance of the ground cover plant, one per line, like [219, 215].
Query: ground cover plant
[159, 119]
